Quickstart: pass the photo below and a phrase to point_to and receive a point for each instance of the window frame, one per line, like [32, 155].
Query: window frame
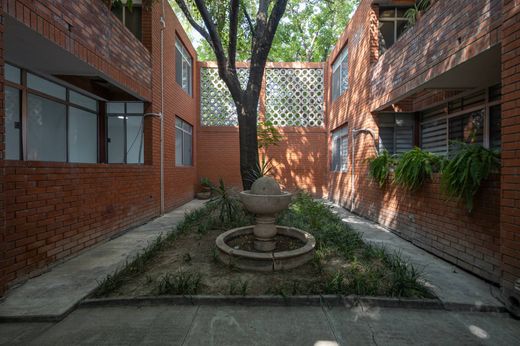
[179, 125]
[24, 94]
[338, 64]
[395, 20]
[342, 133]
[394, 126]
[125, 116]
[186, 58]
[122, 19]
[484, 106]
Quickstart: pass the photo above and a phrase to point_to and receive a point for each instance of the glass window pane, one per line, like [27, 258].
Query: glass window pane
[466, 128]
[400, 11]
[178, 65]
[115, 108]
[135, 108]
[386, 12]
[82, 136]
[386, 139]
[116, 139]
[12, 124]
[495, 131]
[46, 130]
[186, 150]
[178, 147]
[178, 123]
[117, 9]
[82, 100]
[134, 139]
[387, 32]
[12, 74]
[344, 72]
[336, 84]
[133, 20]
[45, 86]
[187, 127]
[401, 27]
[344, 151]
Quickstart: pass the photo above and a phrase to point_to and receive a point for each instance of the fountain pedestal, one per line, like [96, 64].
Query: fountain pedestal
[265, 233]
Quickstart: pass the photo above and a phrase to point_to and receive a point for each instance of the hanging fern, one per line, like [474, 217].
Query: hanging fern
[463, 174]
[379, 167]
[415, 167]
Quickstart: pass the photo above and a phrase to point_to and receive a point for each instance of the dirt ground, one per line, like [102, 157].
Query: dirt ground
[196, 253]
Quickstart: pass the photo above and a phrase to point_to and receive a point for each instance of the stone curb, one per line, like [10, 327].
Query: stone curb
[316, 300]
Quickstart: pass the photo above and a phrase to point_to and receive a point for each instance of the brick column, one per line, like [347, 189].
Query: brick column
[3, 280]
[510, 176]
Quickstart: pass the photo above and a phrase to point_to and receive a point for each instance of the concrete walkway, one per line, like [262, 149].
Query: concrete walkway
[452, 285]
[56, 292]
[239, 325]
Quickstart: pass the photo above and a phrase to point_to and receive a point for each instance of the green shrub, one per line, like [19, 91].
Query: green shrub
[225, 201]
[379, 167]
[183, 282]
[415, 166]
[463, 174]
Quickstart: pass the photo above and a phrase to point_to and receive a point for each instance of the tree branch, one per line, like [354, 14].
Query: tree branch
[194, 24]
[248, 18]
[233, 32]
[214, 40]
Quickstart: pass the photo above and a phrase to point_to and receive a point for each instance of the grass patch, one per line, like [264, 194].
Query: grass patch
[185, 261]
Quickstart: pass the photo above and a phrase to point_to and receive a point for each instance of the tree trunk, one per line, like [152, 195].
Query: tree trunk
[247, 122]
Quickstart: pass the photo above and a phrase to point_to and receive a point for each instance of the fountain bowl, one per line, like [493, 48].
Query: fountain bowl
[265, 204]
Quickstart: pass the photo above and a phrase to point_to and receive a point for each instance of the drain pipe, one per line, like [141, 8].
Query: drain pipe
[163, 27]
[355, 133]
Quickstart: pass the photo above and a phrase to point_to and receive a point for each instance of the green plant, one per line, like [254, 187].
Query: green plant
[415, 166]
[206, 183]
[238, 287]
[463, 174]
[268, 135]
[182, 282]
[379, 167]
[413, 13]
[225, 201]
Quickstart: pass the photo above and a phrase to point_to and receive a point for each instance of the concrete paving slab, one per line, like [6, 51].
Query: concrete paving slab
[158, 325]
[21, 333]
[451, 284]
[227, 325]
[56, 292]
[380, 326]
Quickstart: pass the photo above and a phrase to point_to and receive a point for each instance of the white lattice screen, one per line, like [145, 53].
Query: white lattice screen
[294, 97]
[216, 105]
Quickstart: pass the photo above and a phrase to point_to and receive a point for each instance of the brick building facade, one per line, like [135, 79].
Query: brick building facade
[383, 88]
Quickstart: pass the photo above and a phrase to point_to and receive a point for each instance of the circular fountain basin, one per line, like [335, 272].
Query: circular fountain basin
[265, 261]
[265, 204]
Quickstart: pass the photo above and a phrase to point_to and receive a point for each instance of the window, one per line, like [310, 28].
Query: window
[392, 24]
[131, 18]
[125, 135]
[59, 124]
[339, 150]
[183, 143]
[475, 118]
[340, 74]
[183, 63]
[396, 133]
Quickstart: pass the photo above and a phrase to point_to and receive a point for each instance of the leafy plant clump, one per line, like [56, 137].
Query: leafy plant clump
[414, 12]
[415, 167]
[380, 166]
[181, 283]
[463, 174]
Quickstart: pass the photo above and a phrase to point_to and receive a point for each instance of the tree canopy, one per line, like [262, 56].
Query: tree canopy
[308, 30]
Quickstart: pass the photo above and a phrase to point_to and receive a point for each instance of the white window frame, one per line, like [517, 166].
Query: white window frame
[338, 64]
[186, 67]
[395, 19]
[340, 133]
[179, 125]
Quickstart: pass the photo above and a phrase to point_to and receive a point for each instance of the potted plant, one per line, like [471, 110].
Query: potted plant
[205, 188]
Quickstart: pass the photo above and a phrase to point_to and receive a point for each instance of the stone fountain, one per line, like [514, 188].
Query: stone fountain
[265, 200]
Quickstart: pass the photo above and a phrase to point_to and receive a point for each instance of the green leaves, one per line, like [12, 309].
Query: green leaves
[415, 167]
[463, 174]
[380, 166]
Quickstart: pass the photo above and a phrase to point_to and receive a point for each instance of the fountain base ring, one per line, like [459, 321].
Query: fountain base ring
[265, 261]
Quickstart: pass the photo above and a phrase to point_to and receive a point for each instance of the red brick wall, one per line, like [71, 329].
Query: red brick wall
[438, 42]
[54, 210]
[89, 30]
[510, 196]
[443, 227]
